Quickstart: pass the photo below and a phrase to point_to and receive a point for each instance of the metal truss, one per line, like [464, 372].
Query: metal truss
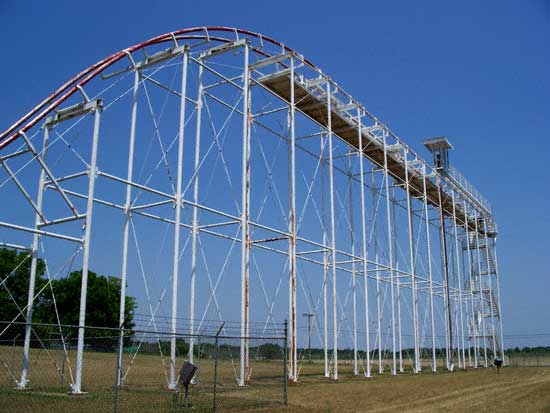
[160, 137]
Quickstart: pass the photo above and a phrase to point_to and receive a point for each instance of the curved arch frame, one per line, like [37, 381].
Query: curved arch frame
[71, 87]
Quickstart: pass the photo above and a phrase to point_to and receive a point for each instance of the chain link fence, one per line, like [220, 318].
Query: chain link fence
[144, 372]
[533, 359]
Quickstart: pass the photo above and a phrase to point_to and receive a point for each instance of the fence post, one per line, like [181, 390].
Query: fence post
[285, 368]
[216, 352]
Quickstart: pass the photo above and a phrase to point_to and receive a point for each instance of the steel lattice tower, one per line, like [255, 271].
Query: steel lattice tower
[197, 134]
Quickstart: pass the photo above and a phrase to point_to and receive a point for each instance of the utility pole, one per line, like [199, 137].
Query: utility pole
[309, 317]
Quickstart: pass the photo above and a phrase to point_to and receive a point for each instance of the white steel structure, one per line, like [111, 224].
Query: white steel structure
[213, 168]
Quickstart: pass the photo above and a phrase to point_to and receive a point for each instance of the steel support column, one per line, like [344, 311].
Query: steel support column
[178, 205]
[482, 315]
[412, 266]
[397, 278]
[245, 217]
[195, 222]
[333, 237]
[490, 282]
[378, 306]
[325, 258]
[364, 244]
[431, 294]
[497, 275]
[77, 386]
[390, 251]
[292, 232]
[127, 218]
[459, 280]
[445, 264]
[399, 335]
[353, 270]
[472, 297]
[22, 384]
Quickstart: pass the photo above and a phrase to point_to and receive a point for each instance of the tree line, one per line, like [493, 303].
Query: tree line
[59, 299]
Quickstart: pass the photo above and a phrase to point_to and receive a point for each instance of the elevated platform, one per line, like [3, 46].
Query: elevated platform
[312, 101]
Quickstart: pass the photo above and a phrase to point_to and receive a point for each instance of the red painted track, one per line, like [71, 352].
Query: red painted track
[71, 86]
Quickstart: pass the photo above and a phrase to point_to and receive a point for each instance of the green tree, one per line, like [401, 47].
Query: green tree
[103, 298]
[102, 303]
[270, 351]
[15, 269]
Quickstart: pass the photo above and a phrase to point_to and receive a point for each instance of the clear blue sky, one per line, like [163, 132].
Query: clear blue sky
[477, 72]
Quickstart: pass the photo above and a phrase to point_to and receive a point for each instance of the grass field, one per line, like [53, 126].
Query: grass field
[515, 389]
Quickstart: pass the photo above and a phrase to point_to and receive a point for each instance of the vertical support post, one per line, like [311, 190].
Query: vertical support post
[379, 316]
[333, 236]
[245, 216]
[447, 355]
[378, 307]
[400, 341]
[194, 225]
[491, 297]
[497, 275]
[471, 282]
[390, 252]
[431, 294]
[178, 204]
[484, 331]
[285, 365]
[457, 326]
[448, 321]
[412, 268]
[77, 386]
[364, 244]
[127, 218]
[471, 286]
[466, 298]
[249, 151]
[325, 258]
[397, 278]
[292, 231]
[22, 384]
[353, 270]
[459, 279]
